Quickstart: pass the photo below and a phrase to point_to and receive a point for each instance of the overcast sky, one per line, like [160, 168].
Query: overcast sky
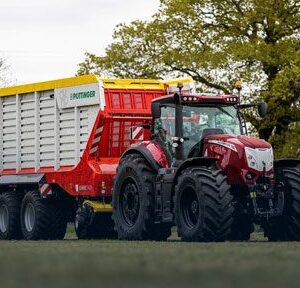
[46, 39]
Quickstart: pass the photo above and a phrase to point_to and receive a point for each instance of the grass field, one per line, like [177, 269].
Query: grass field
[73, 263]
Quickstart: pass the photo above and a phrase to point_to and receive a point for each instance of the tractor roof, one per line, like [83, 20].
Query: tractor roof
[198, 99]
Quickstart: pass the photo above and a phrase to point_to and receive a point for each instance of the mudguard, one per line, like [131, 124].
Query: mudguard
[145, 153]
[196, 161]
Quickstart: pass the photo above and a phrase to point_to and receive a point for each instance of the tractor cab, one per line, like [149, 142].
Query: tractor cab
[182, 122]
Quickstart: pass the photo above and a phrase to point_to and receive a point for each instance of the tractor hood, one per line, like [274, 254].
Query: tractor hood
[241, 151]
[253, 142]
[239, 140]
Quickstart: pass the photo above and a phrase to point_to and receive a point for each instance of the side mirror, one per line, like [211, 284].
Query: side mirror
[262, 109]
[156, 111]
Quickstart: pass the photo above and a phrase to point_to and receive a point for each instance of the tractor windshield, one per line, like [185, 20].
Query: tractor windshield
[196, 121]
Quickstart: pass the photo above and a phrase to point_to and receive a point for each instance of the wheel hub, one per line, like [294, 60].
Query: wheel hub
[190, 207]
[130, 202]
[29, 217]
[3, 218]
[194, 207]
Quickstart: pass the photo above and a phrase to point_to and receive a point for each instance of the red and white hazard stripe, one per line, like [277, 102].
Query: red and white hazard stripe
[137, 133]
[96, 140]
[45, 189]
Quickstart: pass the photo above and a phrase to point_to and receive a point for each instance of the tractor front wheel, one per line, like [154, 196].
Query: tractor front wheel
[203, 205]
[287, 226]
[133, 201]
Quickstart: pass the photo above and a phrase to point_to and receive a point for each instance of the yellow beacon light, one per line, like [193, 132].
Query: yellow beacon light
[180, 85]
[238, 85]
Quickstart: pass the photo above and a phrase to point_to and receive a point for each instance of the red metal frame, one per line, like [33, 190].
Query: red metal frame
[92, 175]
[109, 138]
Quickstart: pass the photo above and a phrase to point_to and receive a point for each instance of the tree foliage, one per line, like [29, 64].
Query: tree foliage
[218, 42]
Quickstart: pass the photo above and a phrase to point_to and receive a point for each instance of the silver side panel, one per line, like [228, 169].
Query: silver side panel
[9, 139]
[48, 128]
[1, 134]
[21, 179]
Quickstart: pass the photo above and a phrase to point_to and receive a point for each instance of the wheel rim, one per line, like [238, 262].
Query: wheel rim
[29, 217]
[76, 223]
[190, 207]
[3, 218]
[130, 202]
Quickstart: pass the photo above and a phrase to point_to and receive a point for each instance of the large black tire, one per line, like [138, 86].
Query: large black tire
[133, 201]
[287, 227]
[10, 216]
[42, 219]
[93, 226]
[203, 205]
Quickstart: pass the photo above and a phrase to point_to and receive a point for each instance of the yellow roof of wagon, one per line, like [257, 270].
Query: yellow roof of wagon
[82, 80]
[144, 84]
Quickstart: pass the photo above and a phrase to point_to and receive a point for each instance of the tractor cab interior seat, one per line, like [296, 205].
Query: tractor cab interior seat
[197, 149]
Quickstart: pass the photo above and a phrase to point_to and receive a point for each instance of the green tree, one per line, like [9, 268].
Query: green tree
[218, 42]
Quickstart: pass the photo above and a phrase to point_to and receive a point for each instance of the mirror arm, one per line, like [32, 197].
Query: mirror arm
[244, 106]
[262, 107]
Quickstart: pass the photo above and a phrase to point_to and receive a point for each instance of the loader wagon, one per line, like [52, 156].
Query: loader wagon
[60, 144]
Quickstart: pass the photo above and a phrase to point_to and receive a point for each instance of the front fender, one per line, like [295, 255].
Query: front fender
[153, 154]
[192, 162]
[196, 161]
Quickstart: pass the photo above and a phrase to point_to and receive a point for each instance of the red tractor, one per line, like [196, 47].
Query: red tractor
[202, 172]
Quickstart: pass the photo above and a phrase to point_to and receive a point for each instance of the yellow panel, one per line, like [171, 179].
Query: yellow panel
[174, 82]
[98, 206]
[81, 80]
[147, 84]
[49, 85]
[144, 84]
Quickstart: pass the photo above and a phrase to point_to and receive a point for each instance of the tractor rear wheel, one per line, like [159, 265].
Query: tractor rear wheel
[42, 219]
[93, 226]
[10, 216]
[203, 205]
[133, 201]
[287, 226]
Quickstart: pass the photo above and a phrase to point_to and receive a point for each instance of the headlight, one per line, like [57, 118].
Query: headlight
[251, 161]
